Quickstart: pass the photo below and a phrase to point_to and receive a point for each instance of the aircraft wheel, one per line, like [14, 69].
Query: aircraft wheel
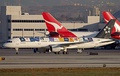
[17, 53]
[34, 50]
[63, 52]
[55, 53]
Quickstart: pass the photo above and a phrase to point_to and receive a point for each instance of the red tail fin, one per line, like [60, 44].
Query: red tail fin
[107, 17]
[54, 26]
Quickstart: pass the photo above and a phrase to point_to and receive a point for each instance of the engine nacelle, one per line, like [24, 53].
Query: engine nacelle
[57, 49]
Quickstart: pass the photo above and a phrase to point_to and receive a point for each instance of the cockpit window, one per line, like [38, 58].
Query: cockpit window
[9, 41]
[22, 39]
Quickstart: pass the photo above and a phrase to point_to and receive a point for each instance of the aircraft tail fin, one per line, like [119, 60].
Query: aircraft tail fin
[116, 29]
[106, 31]
[51, 23]
[55, 26]
[107, 16]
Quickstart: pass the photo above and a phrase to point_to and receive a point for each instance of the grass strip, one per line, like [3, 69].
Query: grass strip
[61, 72]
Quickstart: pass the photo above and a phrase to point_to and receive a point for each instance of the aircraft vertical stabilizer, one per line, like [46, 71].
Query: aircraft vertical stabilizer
[116, 29]
[55, 27]
[106, 31]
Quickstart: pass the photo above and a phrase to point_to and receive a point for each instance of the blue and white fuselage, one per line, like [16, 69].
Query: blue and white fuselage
[57, 44]
[38, 42]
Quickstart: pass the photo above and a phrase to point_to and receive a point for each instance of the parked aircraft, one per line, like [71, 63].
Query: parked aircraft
[52, 25]
[56, 29]
[63, 43]
[116, 29]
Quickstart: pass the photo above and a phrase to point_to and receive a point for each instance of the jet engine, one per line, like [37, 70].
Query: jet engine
[56, 49]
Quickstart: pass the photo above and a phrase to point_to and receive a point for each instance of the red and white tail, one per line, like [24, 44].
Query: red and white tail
[55, 26]
[107, 17]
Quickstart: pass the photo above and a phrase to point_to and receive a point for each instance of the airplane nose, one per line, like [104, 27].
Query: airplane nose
[4, 45]
[7, 45]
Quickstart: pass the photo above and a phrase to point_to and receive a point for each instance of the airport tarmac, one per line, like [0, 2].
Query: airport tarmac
[27, 59]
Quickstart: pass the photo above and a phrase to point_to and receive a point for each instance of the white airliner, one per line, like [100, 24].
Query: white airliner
[63, 43]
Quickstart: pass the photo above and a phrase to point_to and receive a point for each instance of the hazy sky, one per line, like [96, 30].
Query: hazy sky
[53, 2]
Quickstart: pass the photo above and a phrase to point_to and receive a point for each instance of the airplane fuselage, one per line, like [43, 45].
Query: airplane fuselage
[37, 42]
[44, 42]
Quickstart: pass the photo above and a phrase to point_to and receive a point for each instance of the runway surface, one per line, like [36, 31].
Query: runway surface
[27, 59]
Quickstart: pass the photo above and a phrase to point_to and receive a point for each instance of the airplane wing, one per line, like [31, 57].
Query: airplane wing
[67, 44]
[83, 40]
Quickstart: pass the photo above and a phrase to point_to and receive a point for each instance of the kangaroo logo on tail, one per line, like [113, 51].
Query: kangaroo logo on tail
[56, 26]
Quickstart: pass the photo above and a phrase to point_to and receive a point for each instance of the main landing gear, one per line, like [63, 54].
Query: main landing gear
[35, 50]
[80, 50]
[62, 52]
[65, 51]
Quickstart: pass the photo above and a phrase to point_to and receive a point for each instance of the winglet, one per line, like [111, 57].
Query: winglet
[106, 31]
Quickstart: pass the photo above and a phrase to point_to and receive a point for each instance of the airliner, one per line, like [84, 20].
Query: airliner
[116, 30]
[56, 29]
[59, 44]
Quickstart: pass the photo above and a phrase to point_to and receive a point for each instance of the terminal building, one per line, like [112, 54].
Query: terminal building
[14, 23]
